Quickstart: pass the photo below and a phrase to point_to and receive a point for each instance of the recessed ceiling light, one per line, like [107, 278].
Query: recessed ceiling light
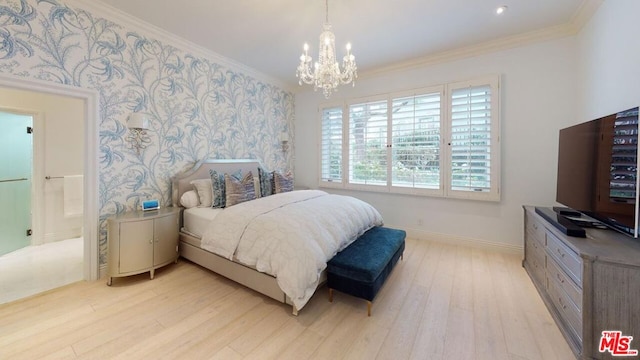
[500, 10]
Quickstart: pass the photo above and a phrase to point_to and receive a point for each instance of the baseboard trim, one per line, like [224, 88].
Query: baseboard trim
[102, 271]
[463, 241]
[62, 235]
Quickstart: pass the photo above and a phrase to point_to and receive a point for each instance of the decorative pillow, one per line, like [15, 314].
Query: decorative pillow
[203, 187]
[266, 179]
[189, 199]
[239, 190]
[219, 197]
[217, 185]
[256, 187]
[282, 182]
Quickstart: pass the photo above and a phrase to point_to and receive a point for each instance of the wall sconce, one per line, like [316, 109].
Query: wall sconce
[138, 124]
[284, 139]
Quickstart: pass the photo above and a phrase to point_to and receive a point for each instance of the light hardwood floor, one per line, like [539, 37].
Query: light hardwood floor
[440, 302]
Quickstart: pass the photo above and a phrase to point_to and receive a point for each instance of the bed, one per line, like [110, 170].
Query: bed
[208, 235]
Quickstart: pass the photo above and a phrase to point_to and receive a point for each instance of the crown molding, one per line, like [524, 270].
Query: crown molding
[579, 19]
[133, 23]
[505, 43]
[584, 13]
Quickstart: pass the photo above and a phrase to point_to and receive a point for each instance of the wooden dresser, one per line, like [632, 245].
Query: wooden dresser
[589, 285]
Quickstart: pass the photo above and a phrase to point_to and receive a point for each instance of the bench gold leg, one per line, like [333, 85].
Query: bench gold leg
[368, 308]
[330, 295]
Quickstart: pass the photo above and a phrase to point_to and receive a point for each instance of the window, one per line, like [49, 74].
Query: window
[439, 141]
[473, 150]
[331, 144]
[415, 149]
[368, 143]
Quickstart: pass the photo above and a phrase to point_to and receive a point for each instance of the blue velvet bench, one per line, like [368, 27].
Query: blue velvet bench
[362, 267]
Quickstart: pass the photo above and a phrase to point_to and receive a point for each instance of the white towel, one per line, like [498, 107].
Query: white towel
[73, 195]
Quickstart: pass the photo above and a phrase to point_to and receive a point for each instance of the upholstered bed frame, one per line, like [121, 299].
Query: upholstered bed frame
[242, 274]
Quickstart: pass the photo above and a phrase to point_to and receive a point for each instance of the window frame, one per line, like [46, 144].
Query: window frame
[494, 193]
[322, 181]
[445, 131]
[441, 89]
[346, 154]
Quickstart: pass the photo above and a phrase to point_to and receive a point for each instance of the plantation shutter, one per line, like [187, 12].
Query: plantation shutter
[416, 141]
[331, 144]
[368, 143]
[471, 139]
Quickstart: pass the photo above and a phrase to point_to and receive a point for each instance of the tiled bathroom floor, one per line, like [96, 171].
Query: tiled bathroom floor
[35, 269]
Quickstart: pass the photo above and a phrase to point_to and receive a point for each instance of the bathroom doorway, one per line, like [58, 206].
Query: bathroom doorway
[90, 133]
[42, 140]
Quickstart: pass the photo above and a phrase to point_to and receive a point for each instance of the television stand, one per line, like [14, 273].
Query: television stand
[589, 285]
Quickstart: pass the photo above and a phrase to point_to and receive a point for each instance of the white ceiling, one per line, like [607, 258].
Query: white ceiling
[268, 35]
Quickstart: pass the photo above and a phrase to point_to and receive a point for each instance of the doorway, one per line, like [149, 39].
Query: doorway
[87, 131]
[41, 226]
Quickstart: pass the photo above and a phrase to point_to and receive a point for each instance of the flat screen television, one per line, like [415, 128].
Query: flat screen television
[598, 170]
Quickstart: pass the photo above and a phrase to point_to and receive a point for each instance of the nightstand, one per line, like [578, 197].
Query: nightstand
[141, 241]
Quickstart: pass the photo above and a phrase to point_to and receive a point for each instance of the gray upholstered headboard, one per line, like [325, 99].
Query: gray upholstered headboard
[181, 182]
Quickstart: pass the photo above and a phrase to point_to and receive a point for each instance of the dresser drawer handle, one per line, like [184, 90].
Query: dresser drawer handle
[560, 252]
[560, 278]
[563, 305]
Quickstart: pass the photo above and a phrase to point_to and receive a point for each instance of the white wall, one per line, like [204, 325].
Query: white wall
[537, 99]
[609, 54]
[63, 153]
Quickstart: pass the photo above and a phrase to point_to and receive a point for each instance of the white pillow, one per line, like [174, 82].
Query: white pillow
[189, 199]
[205, 191]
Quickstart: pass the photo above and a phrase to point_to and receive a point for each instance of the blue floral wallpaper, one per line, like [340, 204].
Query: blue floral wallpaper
[198, 109]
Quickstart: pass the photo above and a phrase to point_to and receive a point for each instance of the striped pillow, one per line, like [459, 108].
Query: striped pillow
[282, 182]
[239, 190]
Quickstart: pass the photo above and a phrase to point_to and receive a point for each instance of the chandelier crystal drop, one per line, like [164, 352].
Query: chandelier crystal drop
[326, 73]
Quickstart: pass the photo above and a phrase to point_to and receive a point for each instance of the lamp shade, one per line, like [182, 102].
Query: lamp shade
[138, 121]
[284, 136]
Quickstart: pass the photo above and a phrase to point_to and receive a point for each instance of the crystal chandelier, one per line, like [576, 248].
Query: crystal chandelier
[326, 73]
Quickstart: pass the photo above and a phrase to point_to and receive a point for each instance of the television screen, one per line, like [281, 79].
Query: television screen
[598, 169]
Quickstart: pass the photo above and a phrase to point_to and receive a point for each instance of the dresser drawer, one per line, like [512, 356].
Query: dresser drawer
[566, 258]
[565, 283]
[535, 230]
[569, 312]
[535, 260]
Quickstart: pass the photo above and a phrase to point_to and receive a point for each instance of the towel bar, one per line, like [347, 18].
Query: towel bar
[11, 180]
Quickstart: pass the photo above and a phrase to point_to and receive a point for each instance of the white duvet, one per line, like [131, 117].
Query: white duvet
[290, 235]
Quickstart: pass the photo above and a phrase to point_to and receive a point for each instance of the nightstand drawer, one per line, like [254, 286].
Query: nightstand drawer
[568, 260]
